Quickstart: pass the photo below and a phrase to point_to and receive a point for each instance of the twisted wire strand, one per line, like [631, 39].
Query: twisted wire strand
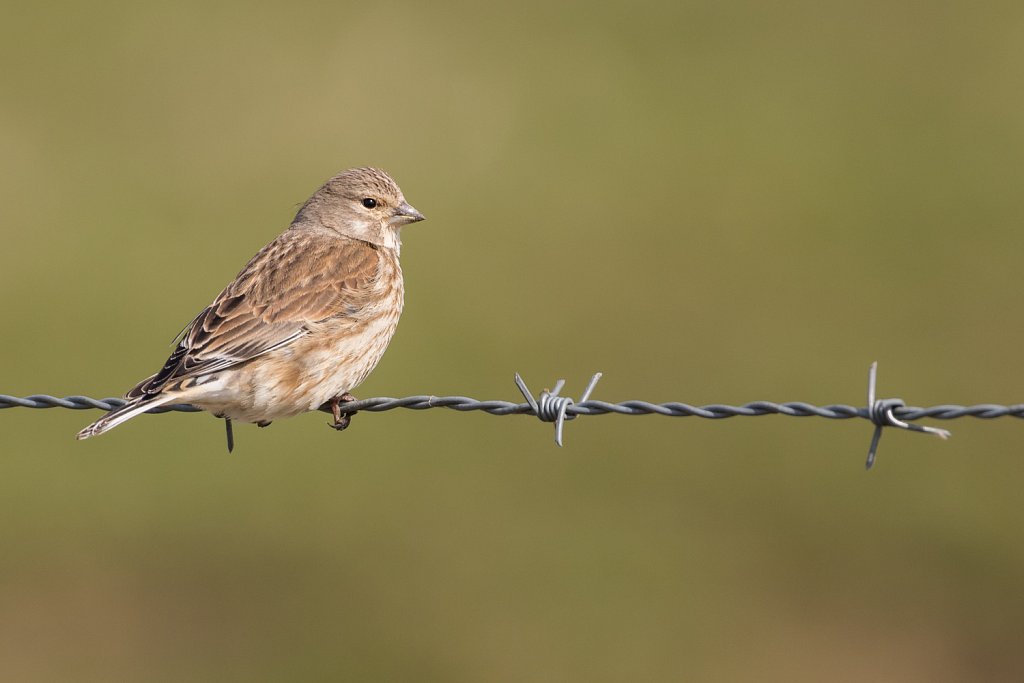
[83, 403]
[985, 411]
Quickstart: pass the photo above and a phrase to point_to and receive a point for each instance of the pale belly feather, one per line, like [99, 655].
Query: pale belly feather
[332, 359]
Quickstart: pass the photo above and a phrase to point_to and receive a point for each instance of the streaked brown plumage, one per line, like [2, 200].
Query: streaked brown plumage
[303, 323]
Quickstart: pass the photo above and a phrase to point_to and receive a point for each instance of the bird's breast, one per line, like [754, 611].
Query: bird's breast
[332, 358]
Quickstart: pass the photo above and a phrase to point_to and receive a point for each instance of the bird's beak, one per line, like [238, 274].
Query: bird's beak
[405, 214]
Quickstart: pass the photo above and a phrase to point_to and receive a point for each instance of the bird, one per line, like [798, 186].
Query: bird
[302, 324]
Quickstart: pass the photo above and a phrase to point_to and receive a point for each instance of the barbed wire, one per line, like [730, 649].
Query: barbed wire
[550, 406]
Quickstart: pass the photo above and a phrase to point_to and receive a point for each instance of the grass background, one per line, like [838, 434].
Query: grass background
[709, 202]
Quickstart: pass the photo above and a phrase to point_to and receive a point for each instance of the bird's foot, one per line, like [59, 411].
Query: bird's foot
[264, 423]
[341, 419]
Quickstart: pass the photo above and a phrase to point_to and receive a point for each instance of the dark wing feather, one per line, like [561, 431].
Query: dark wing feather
[297, 280]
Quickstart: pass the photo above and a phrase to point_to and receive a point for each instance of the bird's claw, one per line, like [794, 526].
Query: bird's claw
[341, 420]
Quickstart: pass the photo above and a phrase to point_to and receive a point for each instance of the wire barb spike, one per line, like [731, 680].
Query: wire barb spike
[551, 407]
[882, 413]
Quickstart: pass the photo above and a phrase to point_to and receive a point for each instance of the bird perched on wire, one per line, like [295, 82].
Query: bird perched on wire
[303, 323]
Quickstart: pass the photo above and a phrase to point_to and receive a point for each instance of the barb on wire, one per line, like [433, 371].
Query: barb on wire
[550, 406]
[881, 412]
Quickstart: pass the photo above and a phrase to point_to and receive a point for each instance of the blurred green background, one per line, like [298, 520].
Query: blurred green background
[709, 202]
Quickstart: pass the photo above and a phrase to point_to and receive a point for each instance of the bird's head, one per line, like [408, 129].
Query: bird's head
[363, 203]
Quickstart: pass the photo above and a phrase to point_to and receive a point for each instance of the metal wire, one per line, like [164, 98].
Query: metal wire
[83, 403]
[985, 411]
[551, 407]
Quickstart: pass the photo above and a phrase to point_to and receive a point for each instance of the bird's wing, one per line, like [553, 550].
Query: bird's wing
[297, 280]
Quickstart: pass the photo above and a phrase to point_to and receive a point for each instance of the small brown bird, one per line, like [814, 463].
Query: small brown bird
[303, 323]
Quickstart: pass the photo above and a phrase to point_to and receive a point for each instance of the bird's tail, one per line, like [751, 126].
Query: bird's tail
[124, 413]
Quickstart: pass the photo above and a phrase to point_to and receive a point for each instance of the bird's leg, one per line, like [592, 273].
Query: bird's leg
[231, 434]
[341, 420]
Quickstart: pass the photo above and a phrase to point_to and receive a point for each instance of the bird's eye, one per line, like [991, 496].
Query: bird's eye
[369, 202]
